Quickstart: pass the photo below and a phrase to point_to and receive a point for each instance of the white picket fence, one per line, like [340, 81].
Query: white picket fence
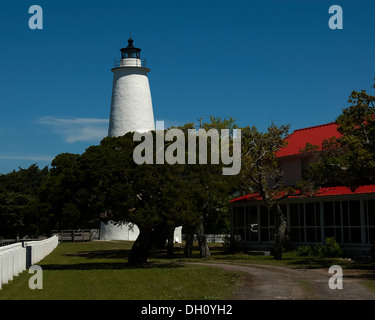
[14, 258]
[41, 249]
[12, 262]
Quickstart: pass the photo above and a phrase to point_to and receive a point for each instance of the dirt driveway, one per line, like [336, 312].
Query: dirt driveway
[262, 282]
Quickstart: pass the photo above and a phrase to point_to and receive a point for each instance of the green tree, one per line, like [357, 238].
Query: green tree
[60, 193]
[118, 189]
[21, 211]
[105, 183]
[217, 188]
[349, 159]
[207, 189]
[261, 173]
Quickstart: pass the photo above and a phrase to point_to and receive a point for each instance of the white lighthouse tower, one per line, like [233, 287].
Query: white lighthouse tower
[131, 111]
[131, 107]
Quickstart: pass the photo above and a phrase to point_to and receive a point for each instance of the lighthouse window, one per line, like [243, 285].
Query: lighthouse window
[131, 54]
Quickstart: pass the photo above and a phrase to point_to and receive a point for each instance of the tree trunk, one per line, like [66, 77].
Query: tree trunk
[203, 247]
[161, 243]
[189, 245]
[139, 252]
[280, 233]
[202, 241]
[146, 241]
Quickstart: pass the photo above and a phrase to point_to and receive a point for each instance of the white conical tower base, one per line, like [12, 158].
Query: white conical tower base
[111, 231]
[131, 107]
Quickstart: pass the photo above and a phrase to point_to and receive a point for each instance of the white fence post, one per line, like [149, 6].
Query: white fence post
[13, 258]
[1, 269]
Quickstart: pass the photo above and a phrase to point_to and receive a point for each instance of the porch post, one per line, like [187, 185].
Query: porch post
[322, 221]
[362, 214]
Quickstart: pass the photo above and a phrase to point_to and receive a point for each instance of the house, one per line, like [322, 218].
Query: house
[338, 212]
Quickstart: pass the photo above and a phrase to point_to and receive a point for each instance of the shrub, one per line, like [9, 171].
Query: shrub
[231, 245]
[305, 251]
[331, 249]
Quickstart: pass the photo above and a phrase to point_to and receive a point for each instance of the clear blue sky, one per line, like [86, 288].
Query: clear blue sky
[257, 61]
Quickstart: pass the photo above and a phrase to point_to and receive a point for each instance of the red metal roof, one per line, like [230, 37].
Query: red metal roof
[313, 135]
[323, 192]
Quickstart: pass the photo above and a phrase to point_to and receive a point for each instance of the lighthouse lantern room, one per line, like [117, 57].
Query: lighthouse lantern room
[130, 51]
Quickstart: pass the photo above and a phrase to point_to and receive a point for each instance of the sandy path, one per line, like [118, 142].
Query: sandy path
[263, 282]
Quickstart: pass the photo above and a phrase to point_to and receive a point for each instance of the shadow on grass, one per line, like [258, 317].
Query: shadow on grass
[106, 265]
[169, 261]
[109, 266]
[162, 254]
[101, 254]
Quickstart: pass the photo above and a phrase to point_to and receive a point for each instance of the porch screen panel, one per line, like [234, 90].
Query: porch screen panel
[312, 215]
[355, 221]
[342, 220]
[241, 228]
[264, 224]
[304, 222]
[332, 220]
[252, 223]
[370, 221]
[238, 229]
[351, 222]
[234, 222]
[297, 222]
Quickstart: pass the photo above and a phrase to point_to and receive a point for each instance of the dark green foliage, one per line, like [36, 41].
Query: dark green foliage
[330, 249]
[105, 183]
[349, 159]
[305, 251]
[21, 211]
[261, 173]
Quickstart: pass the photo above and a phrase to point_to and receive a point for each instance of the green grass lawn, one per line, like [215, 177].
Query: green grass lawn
[289, 259]
[98, 270]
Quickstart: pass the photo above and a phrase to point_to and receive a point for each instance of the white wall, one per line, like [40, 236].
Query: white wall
[130, 62]
[177, 235]
[128, 232]
[111, 231]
